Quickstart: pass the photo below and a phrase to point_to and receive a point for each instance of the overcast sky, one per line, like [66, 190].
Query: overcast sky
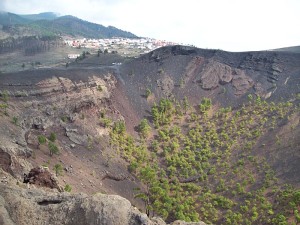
[232, 25]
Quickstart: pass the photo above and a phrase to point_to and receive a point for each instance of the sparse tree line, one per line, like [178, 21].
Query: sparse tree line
[31, 44]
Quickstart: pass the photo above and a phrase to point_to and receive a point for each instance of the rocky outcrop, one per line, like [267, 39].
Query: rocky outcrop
[13, 149]
[40, 123]
[76, 138]
[42, 177]
[116, 177]
[241, 82]
[41, 103]
[166, 84]
[215, 73]
[36, 207]
[5, 162]
[162, 53]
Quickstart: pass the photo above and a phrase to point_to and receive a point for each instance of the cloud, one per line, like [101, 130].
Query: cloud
[234, 25]
[2, 6]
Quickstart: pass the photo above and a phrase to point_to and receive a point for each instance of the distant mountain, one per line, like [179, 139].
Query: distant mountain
[70, 25]
[48, 24]
[295, 49]
[7, 18]
[41, 16]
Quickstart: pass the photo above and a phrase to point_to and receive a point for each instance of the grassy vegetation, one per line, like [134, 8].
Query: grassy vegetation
[58, 168]
[199, 165]
[52, 137]
[53, 148]
[42, 139]
[68, 188]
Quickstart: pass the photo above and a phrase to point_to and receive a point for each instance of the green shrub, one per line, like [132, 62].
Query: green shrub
[106, 122]
[144, 128]
[53, 148]
[15, 120]
[4, 95]
[133, 166]
[42, 139]
[64, 119]
[58, 168]
[68, 188]
[52, 137]
[148, 92]
[99, 88]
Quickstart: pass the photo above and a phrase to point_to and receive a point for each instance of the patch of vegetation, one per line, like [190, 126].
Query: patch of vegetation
[46, 165]
[21, 94]
[4, 107]
[42, 139]
[52, 137]
[15, 120]
[148, 93]
[4, 96]
[201, 166]
[58, 168]
[160, 71]
[82, 56]
[68, 188]
[90, 143]
[181, 83]
[53, 148]
[64, 118]
[99, 88]
[106, 122]
[144, 128]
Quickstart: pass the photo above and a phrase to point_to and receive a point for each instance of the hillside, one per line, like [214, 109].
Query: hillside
[7, 18]
[70, 25]
[182, 133]
[43, 32]
[226, 78]
[295, 49]
[40, 33]
[208, 115]
[45, 24]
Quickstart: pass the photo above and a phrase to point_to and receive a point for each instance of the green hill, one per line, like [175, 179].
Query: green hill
[7, 18]
[70, 25]
[41, 16]
[45, 24]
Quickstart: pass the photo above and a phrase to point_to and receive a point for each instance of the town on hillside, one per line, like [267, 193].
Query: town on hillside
[122, 46]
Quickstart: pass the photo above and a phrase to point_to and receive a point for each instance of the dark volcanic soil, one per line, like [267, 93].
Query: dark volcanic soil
[180, 71]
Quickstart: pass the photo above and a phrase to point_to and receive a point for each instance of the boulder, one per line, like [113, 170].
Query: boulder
[76, 138]
[215, 73]
[36, 207]
[5, 162]
[42, 177]
[41, 123]
[241, 82]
